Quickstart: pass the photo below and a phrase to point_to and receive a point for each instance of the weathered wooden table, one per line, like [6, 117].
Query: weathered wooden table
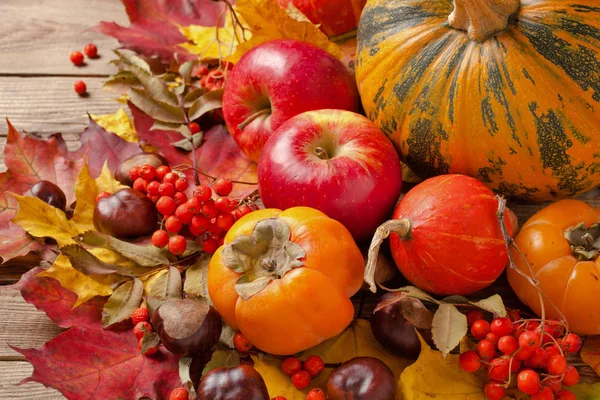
[36, 94]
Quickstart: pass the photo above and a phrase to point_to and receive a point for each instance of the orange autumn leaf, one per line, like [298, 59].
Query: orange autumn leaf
[590, 353]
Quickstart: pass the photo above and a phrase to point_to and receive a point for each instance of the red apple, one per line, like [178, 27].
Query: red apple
[334, 17]
[335, 161]
[278, 80]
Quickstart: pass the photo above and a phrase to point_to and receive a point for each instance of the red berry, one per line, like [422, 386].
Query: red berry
[223, 187]
[528, 381]
[552, 350]
[316, 394]
[199, 225]
[223, 204]
[291, 365]
[513, 315]
[152, 188]
[91, 50]
[539, 358]
[140, 185]
[162, 171]
[564, 395]
[486, 350]
[480, 329]
[492, 338]
[210, 246]
[148, 172]
[494, 390]
[184, 214]
[301, 379]
[76, 58]
[243, 210]
[557, 365]
[214, 230]
[170, 177]
[134, 173]
[172, 224]
[149, 351]
[240, 343]
[166, 189]
[572, 343]
[209, 210]
[571, 376]
[194, 205]
[194, 127]
[160, 238]
[508, 344]
[314, 365]
[181, 184]
[543, 394]
[180, 198]
[154, 198]
[524, 354]
[140, 314]
[501, 326]
[279, 398]
[166, 206]
[177, 245]
[529, 340]
[225, 221]
[515, 364]
[498, 369]
[469, 361]
[203, 192]
[80, 87]
[102, 195]
[140, 328]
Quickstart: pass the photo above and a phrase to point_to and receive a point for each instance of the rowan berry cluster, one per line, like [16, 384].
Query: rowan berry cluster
[213, 78]
[199, 217]
[533, 351]
[302, 372]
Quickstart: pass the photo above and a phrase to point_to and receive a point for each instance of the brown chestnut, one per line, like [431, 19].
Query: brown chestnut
[394, 332]
[49, 193]
[187, 327]
[122, 173]
[235, 383]
[127, 213]
[362, 378]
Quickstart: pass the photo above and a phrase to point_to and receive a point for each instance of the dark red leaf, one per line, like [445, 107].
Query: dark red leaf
[91, 363]
[181, 12]
[47, 295]
[15, 242]
[100, 146]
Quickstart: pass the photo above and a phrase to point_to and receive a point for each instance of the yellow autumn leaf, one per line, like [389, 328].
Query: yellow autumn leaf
[119, 124]
[268, 21]
[42, 220]
[203, 40]
[106, 182]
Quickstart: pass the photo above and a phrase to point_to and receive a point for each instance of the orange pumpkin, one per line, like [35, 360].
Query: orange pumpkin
[506, 91]
[558, 244]
[285, 278]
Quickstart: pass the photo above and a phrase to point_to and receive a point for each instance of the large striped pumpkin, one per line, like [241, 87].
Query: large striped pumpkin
[505, 91]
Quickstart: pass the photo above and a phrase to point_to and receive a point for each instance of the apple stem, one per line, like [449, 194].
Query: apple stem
[321, 152]
[251, 118]
[401, 227]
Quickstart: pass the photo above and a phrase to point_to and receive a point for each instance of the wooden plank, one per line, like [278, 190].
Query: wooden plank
[37, 36]
[13, 372]
[22, 325]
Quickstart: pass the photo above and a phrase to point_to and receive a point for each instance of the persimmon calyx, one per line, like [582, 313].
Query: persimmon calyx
[266, 255]
[585, 242]
[401, 227]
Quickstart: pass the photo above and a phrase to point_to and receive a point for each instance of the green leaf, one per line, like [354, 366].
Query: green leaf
[155, 109]
[196, 278]
[130, 58]
[416, 313]
[164, 126]
[185, 70]
[493, 304]
[122, 79]
[191, 96]
[449, 327]
[456, 299]
[88, 264]
[586, 391]
[207, 102]
[222, 359]
[150, 339]
[146, 256]
[167, 286]
[413, 292]
[227, 334]
[122, 302]
[186, 145]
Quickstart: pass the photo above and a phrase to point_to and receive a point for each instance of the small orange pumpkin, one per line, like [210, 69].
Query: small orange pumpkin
[285, 278]
[561, 243]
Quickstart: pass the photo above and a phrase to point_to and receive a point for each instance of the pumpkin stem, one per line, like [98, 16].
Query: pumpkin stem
[482, 18]
[401, 227]
[585, 242]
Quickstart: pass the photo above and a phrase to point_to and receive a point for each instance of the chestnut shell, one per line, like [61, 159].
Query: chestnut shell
[187, 327]
[122, 173]
[50, 193]
[235, 383]
[125, 214]
[362, 378]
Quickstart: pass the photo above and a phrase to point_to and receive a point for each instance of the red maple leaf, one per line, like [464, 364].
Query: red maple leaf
[154, 32]
[30, 159]
[218, 156]
[91, 363]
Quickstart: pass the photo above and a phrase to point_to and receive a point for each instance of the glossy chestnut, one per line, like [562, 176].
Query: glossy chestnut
[125, 214]
[122, 173]
[362, 378]
[50, 193]
[237, 383]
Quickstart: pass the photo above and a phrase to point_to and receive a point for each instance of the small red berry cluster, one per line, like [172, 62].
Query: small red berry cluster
[534, 350]
[314, 394]
[213, 78]
[199, 217]
[76, 57]
[302, 372]
[140, 318]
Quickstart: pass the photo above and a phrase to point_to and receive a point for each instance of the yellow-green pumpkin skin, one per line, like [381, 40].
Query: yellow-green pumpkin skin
[520, 111]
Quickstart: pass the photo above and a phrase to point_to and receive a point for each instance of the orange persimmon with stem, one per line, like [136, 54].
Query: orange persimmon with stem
[285, 278]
